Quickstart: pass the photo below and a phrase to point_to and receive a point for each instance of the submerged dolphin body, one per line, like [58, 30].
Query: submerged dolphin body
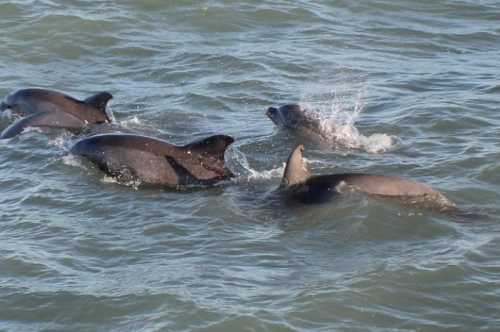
[300, 185]
[53, 109]
[149, 160]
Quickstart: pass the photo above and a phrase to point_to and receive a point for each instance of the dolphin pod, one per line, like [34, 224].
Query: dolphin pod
[52, 109]
[300, 185]
[131, 157]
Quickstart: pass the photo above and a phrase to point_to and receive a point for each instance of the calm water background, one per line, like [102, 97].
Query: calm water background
[79, 252]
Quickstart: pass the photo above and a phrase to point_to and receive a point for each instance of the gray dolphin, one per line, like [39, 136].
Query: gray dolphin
[300, 185]
[299, 120]
[53, 109]
[129, 157]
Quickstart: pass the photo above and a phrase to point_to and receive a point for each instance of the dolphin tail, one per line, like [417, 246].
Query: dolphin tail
[45, 119]
[296, 171]
[100, 101]
[214, 145]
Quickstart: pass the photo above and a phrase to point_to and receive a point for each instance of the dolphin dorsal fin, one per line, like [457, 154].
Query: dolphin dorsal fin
[214, 145]
[99, 100]
[296, 171]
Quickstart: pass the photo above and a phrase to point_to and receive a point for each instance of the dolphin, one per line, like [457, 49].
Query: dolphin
[300, 185]
[53, 109]
[300, 120]
[129, 157]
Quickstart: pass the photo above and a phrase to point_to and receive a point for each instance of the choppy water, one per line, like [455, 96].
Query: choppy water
[79, 252]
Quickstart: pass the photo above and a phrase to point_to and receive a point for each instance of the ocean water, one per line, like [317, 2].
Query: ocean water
[414, 86]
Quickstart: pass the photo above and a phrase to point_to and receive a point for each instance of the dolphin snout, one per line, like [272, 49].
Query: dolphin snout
[271, 111]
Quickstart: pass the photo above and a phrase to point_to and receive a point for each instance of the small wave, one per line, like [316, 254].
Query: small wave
[238, 162]
[71, 160]
[265, 174]
[247, 173]
[135, 123]
[32, 130]
[132, 121]
[132, 183]
[60, 141]
[273, 173]
[7, 114]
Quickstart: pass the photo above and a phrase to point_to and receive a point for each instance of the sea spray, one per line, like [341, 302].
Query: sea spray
[337, 112]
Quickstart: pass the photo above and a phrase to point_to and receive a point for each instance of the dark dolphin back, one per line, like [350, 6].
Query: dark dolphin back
[36, 100]
[316, 189]
[156, 161]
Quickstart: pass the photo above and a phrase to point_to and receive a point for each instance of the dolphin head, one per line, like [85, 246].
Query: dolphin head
[287, 115]
[273, 114]
[11, 102]
[19, 102]
[3, 106]
[296, 171]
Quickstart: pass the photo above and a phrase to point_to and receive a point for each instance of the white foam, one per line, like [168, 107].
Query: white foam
[238, 162]
[32, 129]
[246, 173]
[132, 121]
[133, 184]
[7, 114]
[71, 160]
[60, 141]
[265, 174]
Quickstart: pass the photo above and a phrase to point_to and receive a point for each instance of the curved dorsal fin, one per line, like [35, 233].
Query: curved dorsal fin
[296, 171]
[99, 100]
[214, 145]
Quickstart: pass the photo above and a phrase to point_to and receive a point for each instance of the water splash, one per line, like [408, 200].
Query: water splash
[62, 140]
[134, 184]
[7, 114]
[73, 161]
[337, 112]
[273, 173]
[238, 163]
[132, 121]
